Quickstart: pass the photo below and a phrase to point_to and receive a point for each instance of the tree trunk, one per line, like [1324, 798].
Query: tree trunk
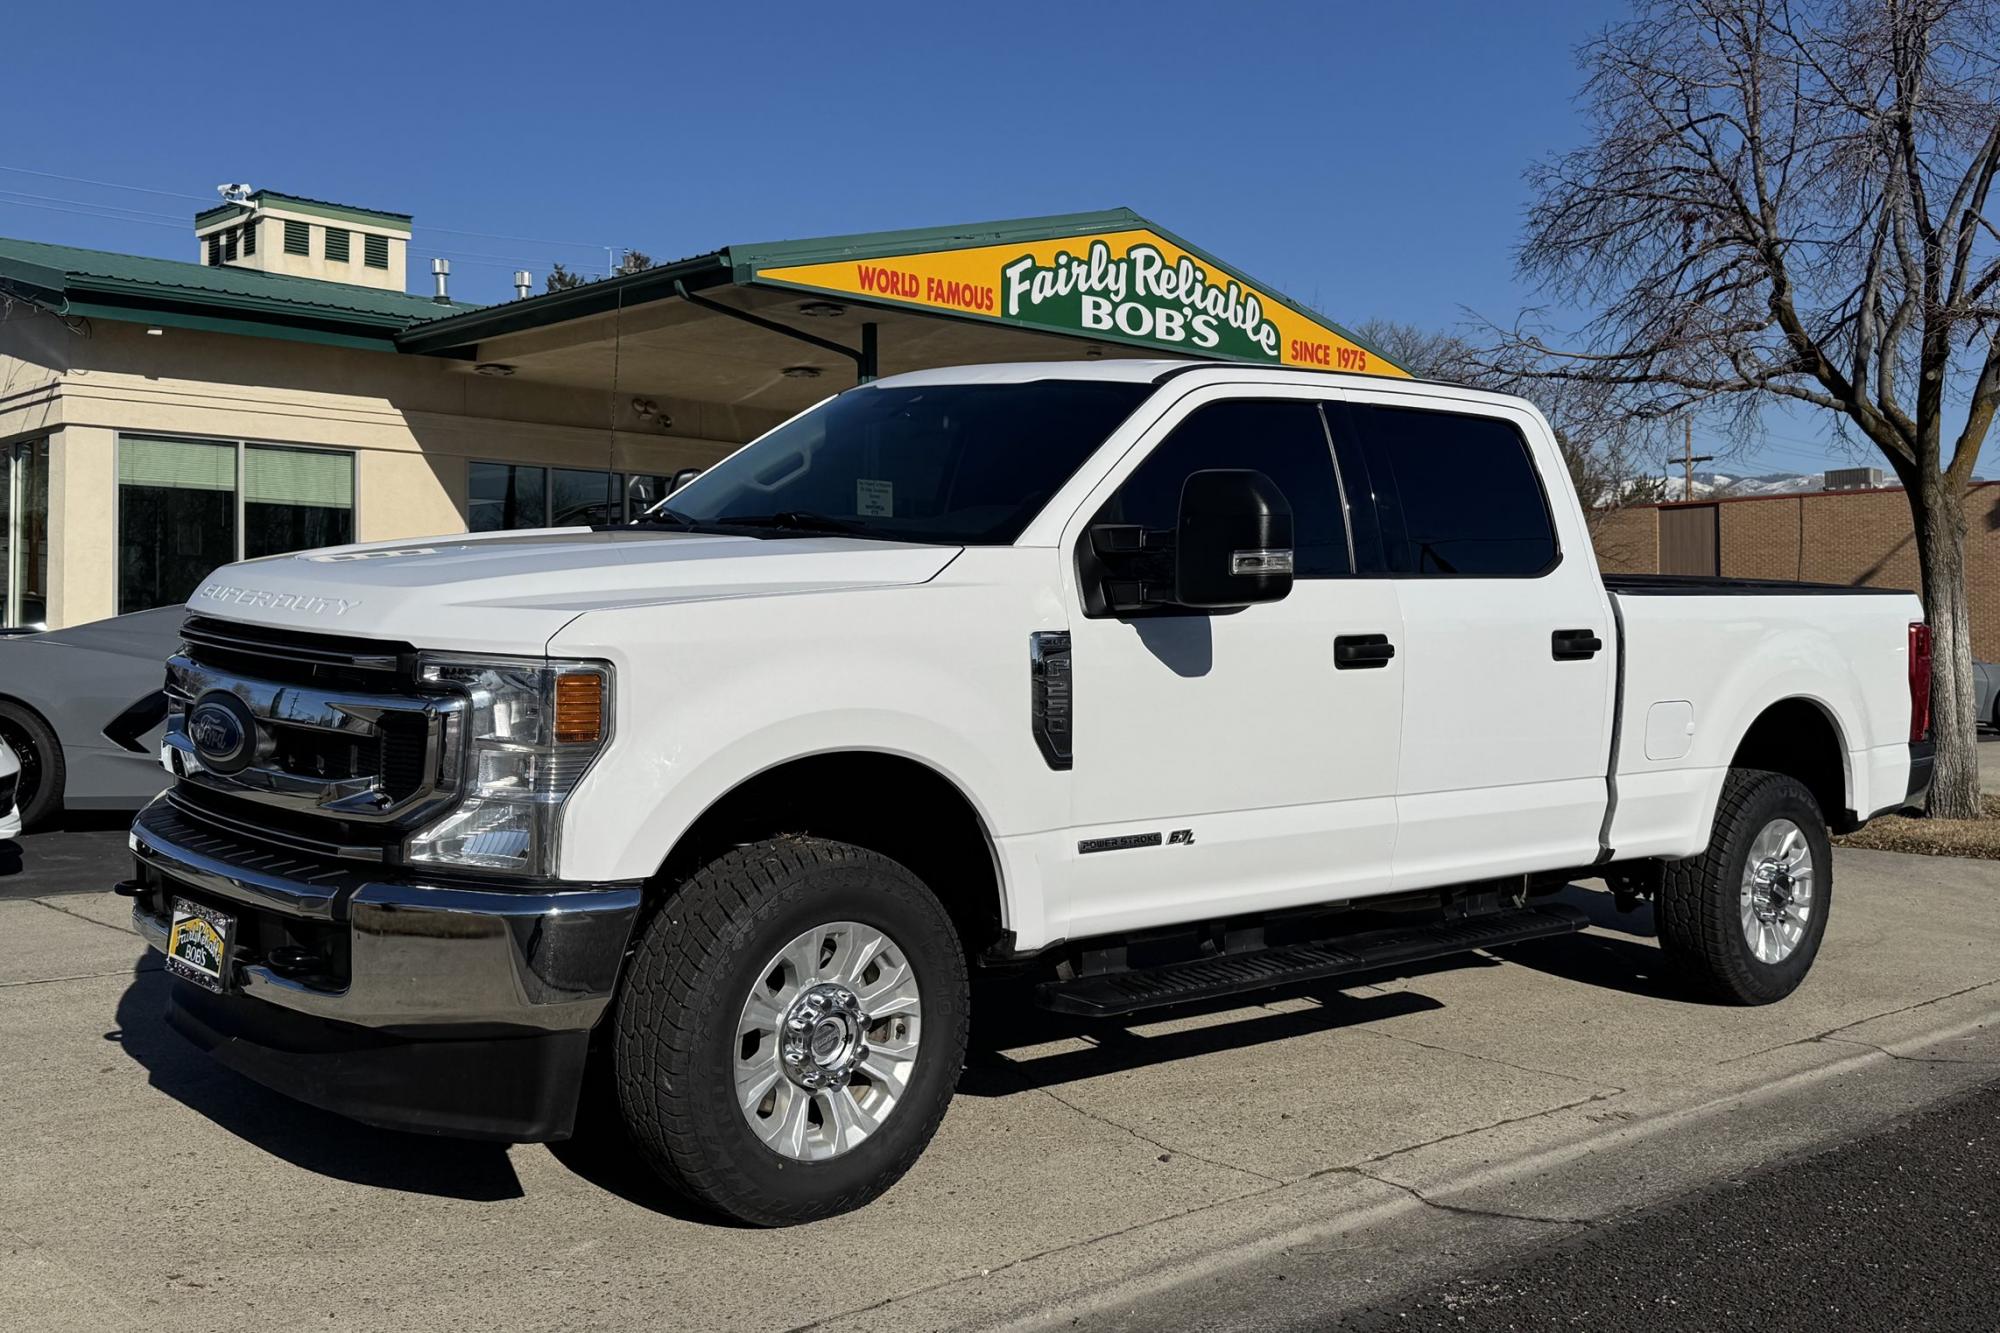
[1938, 508]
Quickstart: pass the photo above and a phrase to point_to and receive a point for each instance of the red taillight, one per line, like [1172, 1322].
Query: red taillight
[1920, 680]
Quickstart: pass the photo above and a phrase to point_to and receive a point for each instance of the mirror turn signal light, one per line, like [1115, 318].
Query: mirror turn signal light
[579, 706]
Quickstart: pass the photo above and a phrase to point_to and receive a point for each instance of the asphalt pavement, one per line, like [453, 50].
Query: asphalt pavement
[86, 855]
[1897, 1229]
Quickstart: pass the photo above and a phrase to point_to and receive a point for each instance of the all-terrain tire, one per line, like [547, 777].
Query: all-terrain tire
[1699, 909]
[677, 1013]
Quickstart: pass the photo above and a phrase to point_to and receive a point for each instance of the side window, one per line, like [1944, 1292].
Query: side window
[1283, 439]
[1455, 495]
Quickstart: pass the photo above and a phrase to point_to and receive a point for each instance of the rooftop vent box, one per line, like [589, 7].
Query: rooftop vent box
[304, 238]
[1854, 478]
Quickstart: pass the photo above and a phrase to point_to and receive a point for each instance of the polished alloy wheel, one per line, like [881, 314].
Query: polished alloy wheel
[1777, 891]
[827, 1041]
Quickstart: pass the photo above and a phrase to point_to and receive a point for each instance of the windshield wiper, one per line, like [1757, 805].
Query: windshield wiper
[662, 514]
[798, 520]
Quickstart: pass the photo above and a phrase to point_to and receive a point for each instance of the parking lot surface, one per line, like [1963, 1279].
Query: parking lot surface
[1101, 1173]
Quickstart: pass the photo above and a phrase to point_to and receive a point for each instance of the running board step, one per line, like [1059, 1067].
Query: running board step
[1230, 974]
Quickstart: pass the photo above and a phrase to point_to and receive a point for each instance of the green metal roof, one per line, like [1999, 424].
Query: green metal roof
[874, 244]
[104, 285]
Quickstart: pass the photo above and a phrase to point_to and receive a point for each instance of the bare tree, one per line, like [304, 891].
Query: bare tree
[1790, 201]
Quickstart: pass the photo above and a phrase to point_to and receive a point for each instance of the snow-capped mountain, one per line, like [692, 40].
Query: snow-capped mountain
[1719, 485]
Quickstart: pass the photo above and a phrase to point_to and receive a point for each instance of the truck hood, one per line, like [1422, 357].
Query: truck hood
[511, 591]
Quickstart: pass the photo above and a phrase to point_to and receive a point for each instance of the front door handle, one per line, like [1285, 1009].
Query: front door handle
[1357, 652]
[1574, 645]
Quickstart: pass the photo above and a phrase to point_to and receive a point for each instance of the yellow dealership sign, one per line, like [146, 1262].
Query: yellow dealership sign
[1131, 286]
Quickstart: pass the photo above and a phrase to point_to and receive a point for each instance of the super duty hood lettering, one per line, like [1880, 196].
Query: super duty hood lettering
[308, 603]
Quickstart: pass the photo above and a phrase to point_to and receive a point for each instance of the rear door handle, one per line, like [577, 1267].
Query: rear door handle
[1356, 652]
[1574, 645]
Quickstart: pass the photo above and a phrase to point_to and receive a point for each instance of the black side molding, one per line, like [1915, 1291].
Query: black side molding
[1701, 585]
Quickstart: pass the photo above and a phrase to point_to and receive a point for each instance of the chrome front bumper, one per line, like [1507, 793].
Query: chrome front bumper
[419, 955]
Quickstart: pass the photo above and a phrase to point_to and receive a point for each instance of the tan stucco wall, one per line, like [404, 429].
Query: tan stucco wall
[413, 423]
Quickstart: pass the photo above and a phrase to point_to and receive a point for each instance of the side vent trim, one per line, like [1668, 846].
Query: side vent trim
[1050, 699]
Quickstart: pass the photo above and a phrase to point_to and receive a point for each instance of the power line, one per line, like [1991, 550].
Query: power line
[109, 185]
[527, 240]
[86, 213]
[93, 204]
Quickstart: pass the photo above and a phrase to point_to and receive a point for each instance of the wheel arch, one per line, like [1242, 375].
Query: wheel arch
[1801, 737]
[890, 803]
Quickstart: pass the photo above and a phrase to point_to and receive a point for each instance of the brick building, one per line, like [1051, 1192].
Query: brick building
[1856, 537]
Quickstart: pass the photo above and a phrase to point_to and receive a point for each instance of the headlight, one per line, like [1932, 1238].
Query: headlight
[531, 728]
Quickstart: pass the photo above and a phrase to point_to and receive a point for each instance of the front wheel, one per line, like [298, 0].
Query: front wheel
[790, 1030]
[1744, 920]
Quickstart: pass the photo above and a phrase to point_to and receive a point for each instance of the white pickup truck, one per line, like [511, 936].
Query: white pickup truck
[1146, 683]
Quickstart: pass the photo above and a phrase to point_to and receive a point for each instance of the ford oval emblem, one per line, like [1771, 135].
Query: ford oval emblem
[222, 731]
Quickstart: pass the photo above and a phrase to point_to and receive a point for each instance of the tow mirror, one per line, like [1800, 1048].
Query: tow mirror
[1233, 545]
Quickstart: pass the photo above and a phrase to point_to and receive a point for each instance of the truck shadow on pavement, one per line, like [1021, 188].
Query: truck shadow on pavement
[1615, 962]
[1005, 1057]
[309, 1138]
[1007, 1026]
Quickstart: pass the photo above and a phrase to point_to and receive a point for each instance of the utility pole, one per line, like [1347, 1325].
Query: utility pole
[1688, 459]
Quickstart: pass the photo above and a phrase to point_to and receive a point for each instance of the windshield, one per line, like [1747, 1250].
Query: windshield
[964, 464]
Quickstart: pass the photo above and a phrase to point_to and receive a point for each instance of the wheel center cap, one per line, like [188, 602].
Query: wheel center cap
[821, 1039]
[1777, 886]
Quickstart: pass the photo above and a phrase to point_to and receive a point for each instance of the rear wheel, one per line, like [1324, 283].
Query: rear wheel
[1744, 920]
[40, 790]
[790, 1030]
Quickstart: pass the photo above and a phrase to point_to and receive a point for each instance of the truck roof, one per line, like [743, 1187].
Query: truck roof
[1138, 371]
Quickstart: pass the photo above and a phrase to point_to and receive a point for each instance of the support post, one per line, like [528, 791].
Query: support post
[865, 369]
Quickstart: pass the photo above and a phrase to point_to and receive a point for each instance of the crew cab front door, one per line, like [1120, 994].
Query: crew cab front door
[1242, 761]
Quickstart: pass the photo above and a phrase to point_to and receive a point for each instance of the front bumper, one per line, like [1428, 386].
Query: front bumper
[416, 1005]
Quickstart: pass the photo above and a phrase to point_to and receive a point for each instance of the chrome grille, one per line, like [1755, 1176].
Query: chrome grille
[346, 754]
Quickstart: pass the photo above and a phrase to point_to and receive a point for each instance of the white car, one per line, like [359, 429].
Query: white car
[10, 778]
[1149, 682]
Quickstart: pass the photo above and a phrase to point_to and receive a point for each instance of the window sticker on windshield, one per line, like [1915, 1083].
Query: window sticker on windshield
[874, 499]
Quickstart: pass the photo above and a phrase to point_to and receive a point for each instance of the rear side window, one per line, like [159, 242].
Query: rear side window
[1455, 495]
[1284, 440]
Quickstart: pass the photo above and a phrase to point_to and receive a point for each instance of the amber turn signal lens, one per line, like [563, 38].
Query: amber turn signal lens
[579, 707]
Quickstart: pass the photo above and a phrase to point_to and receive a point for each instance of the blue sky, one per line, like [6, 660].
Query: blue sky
[1363, 159]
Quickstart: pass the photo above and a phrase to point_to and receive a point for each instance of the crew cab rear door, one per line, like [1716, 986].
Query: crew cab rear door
[1507, 645]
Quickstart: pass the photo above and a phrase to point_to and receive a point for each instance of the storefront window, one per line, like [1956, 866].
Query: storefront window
[501, 497]
[182, 512]
[295, 499]
[580, 497]
[176, 517]
[24, 533]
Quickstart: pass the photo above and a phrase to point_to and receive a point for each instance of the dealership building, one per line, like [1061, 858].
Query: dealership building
[281, 389]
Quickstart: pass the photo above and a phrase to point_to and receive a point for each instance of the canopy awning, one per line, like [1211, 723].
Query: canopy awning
[775, 327]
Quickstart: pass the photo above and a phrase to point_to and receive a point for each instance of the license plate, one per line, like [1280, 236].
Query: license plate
[198, 945]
